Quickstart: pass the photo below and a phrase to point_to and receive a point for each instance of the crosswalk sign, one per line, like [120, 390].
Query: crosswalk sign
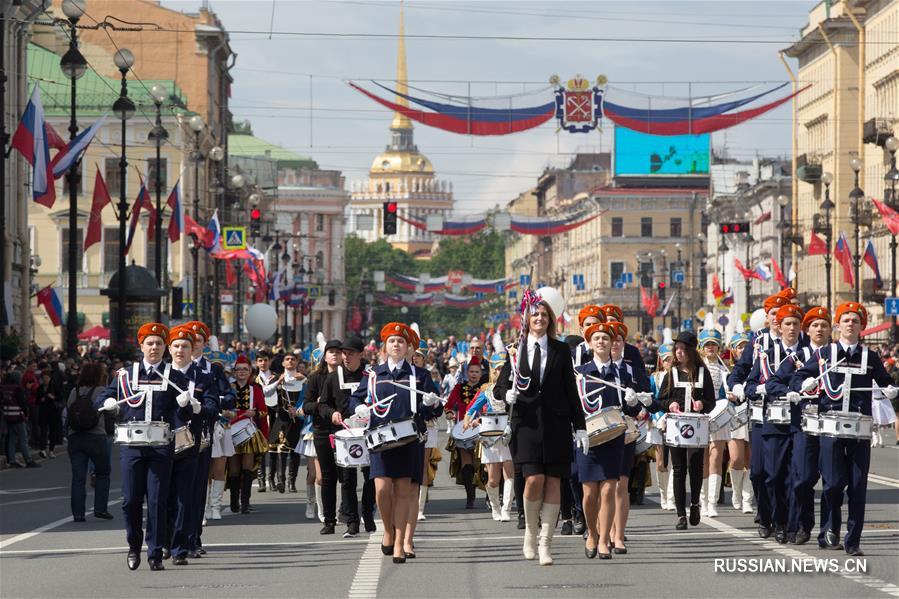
[234, 238]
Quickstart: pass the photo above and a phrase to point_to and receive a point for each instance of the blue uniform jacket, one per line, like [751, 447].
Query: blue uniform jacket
[631, 356]
[165, 405]
[227, 397]
[609, 396]
[205, 393]
[399, 407]
[779, 385]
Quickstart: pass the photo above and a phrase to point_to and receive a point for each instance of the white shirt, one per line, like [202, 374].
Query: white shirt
[544, 345]
[394, 365]
[600, 365]
[847, 348]
[156, 367]
[182, 369]
[792, 349]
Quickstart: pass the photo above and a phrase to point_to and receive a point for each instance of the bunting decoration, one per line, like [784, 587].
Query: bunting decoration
[435, 284]
[464, 226]
[546, 226]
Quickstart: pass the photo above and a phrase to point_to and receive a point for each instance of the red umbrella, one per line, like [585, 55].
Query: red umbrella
[95, 332]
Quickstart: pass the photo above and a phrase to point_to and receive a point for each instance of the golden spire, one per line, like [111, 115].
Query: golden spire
[402, 80]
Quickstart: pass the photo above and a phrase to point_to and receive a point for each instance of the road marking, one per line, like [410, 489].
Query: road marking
[24, 491]
[883, 480]
[365, 581]
[28, 535]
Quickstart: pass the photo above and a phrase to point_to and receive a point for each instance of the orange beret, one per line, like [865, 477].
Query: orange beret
[775, 301]
[150, 329]
[195, 326]
[788, 311]
[599, 327]
[398, 329]
[788, 292]
[588, 311]
[612, 311]
[182, 332]
[620, 329]
[815, 313]
[848, 307]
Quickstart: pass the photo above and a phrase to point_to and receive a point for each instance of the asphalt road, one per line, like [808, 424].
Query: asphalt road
[275, 552]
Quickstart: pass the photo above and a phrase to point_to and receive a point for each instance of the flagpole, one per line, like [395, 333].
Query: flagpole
[4, 138]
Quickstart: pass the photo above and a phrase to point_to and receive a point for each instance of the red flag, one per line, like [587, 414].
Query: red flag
[95, 221]
[764, 216]
[890, 216]
[192, 227]
[778, 274]
[747, 274]
[842, 255]
[656, 303]
[816, 246]
[230, 274]
[176, 222]
[717, 292]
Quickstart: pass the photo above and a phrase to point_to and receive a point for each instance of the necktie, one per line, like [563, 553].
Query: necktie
[150, 371]
[535, 364]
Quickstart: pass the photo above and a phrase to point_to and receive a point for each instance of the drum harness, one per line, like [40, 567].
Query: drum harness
[688, 386]
[845, 389]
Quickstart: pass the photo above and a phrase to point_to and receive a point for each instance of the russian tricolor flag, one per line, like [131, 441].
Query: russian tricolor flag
[32, 140]
[870, 258]
[49, 299]
[176, 224]
[71, 154]
[214, 234]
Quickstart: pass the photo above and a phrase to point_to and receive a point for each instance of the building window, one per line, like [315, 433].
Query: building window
[676, 229]
[646, 273]
[111, 174]
[110, 249]
[151, 175]
[319, 222]
[151, 253]
[616, 269]
[646, 226]
[319, 260]
[64, 250]
[617, 226]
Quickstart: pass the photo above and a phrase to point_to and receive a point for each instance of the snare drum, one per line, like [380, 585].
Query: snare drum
[740, 416]
[349, 448]
[493, 425]
[143, 434]
[242, 431]
[643, 440]
[845, 425]
[720, 417]
[657, 431]
[631, 434]
[465, 439]
[205, 440]
[184, 439]
[778, 411]
[811, 424]
[757, 411]
[390, 435]
[687, 430]
[605, 425]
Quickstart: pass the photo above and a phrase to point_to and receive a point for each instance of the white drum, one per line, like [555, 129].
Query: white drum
[757, 411]
[465, 439]
[643, 440]
[687, 430]
[657, 430]
[721, 416]
[493, 425]
[349, 448]
[740, 416]
[845, 425]
[604, 425]
[778, 411]
[242, 431]
[631, 434]
[811, 424]
[390, 435]
[143, 434]
[184, 439]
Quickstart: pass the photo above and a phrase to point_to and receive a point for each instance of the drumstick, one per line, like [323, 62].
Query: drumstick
[395, 384]
[169, 381]
[129, 398]
[831, 368]
[605, 382]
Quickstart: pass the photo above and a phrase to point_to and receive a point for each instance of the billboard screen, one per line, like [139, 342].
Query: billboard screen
[641, 154]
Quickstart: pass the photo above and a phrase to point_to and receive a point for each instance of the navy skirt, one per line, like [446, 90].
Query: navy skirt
[627, 458]
[405, 461]
[418, 475]
[602, 462]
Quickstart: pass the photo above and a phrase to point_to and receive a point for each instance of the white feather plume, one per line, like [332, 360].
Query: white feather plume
[320, 339]
[666, 335]
[213, 343]
[497, 342]
[414, 327]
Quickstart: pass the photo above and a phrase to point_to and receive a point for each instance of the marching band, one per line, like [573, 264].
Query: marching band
[559, 428]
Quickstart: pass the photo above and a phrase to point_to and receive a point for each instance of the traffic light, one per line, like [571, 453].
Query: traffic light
[662, 288]
[741, 227]
[389, 218]
[255, 218]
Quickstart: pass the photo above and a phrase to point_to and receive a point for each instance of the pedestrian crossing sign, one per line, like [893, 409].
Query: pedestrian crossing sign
[234, 238]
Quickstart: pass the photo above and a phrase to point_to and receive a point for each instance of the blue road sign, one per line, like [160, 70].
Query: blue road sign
[619, 285]
[628, 278]
[677, 277]
[687, 324]
[891, 305]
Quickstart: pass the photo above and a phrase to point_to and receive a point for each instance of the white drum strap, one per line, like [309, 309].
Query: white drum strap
[848, 371]
[413, 394]
[351, 387]
[688, 387]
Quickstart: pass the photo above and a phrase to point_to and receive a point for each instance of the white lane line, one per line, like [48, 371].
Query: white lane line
[365, 581]
[883, 480]
[28, 535]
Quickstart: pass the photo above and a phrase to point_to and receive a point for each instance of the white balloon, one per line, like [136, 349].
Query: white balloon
[666, 335]
[552, 297]
[262, 321]
[757, 320]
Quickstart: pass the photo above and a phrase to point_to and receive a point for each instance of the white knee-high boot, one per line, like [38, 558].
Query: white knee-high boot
[493, 495]
[422, 500]
[714, 488]
[531, 520]
[310, 501]
[736, 485]
[703, 498]
[318, 503]
[663, 488]
[549, 514]
[747, 494]
[218, 488]
[506, 512]
[671, 506]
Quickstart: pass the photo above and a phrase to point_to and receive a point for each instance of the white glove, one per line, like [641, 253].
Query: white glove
[645, 398]
[362, 412]
[809, 384]
[431, 399]
[630, 397]
[761, 391]
[184, 398]
[512, 396]
[110, 404]
[890, 392]
[738, 391]
[794, 397]
[582, 440]
[195, 404]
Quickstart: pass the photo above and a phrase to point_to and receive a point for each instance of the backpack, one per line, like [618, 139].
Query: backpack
[82, 415]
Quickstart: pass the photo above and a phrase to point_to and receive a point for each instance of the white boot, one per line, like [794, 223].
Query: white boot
[671, 505]
[318, 503]
[875, 436]
[493, 494]
[207, 515]
[310, 502]
[736, 485]
[506, 513]
[703, 498]
[422, 500]
[663, 489]
[531, 519]
[549, 514]
[747, 495]
[218, 487]
[714, 488]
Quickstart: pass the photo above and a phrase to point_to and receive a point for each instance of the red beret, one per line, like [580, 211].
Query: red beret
[789, 293]
[181, 332]
[150, 329]
[398, 329]
[788, 311]
[590, 310]
[196, 326]
[848, 307]
[612, 311]
[620, 329]
[599, 327]
[242, 359]
[813, 314]
[775, 301]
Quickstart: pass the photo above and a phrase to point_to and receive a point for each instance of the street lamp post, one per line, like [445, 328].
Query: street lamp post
[73, 66]
[827, 207]
[892, 144]
[680, 286]
[217, 155]
[748, 239]
[123, 108]
[158, 136]
[784, 227]
[196, 125]
[856, 196]
[237, 182]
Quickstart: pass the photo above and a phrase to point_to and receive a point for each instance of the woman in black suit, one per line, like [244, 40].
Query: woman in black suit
[545, 408]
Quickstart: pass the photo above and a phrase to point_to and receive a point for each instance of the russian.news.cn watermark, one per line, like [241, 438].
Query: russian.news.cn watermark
[782, 565]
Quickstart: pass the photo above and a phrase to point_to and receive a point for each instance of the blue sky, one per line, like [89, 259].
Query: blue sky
[727, 46]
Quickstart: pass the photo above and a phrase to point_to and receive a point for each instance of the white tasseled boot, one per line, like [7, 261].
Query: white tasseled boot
[549, 514]
[506, 513]
[736, 484]
[422, 500]
[493, 494]
[663, 489]
[318, 503]
[747, 494]
[531, 519]
[703, 500]
[714, 488]
[671, 505]
[218, 488]
[310, 501]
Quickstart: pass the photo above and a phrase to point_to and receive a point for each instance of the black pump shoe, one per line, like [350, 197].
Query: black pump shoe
[133, 560]
[591, 553]
[399, 560]
[387, 549]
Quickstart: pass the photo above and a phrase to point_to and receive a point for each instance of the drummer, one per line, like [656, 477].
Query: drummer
[710, 347]
[381, 401]
[292, 387]
[687, 373]
[657, 428]
[762, 339]
[631, 354]
[738, 445]
[587, 316]
[147, 470]
[460, 398]
[844, 461]
[600, 468]
[495, 450]
[249, 406]
[803, 469]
